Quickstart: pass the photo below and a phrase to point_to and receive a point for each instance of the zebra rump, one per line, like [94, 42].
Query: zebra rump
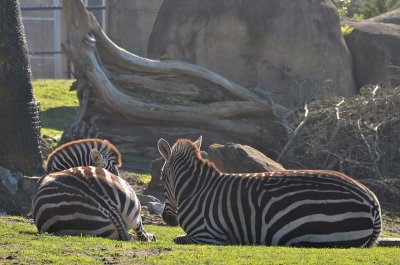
[87, 201]
[309, 208]
[78, 153]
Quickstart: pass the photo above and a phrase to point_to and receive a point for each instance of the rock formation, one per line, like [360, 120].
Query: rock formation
[292, 50]
[375, 50]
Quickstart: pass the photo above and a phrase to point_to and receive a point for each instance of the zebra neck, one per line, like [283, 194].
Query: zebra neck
[198, 174]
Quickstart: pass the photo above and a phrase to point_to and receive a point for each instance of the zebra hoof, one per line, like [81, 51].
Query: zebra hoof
[183, 240]
[152, 238]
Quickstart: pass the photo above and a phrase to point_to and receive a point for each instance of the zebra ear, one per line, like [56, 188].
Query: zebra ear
[164, 148]
[198, 142]
[96, 157]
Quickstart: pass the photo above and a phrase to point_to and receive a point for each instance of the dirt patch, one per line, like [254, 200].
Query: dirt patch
[131, 255]
[132, 179]
[146, 252]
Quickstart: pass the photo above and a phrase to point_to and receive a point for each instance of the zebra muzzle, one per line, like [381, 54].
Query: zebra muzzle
[170, 220]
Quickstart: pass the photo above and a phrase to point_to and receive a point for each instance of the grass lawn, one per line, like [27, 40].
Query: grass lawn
[21, 244]
[58, 105]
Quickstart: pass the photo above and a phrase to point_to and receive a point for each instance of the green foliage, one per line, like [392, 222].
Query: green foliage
[342, 6]
[372, 8]
[21, 244]
[143, 179]
[57, 105]
[365, 9]
[346, 30]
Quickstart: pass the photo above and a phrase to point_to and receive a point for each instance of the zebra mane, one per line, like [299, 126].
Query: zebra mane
[186, 143]
[77, 142]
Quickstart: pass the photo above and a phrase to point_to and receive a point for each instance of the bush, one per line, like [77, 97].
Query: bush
[364, 9]
[357, 136]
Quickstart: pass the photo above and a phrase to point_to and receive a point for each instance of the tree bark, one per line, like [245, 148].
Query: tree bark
[134, 100]
[19, 116]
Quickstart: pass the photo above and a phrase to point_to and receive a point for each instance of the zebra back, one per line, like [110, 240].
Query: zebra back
[77, 153]
[87, 200]
[316, 208]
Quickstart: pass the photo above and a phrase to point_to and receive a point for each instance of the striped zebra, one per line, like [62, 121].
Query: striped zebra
[310, 208]
[89, 201]
[85, 153]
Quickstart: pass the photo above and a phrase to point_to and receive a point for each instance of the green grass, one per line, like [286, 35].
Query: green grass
[143, 179]
[58, 105]
[21, 244]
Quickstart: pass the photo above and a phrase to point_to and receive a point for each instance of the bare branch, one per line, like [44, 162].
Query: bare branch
[293, 136]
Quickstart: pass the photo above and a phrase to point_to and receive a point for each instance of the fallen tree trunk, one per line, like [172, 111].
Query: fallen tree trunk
[133, 101]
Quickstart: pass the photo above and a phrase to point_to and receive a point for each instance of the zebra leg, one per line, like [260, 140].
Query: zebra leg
[142, 234]
[183, 240]
[119, 224]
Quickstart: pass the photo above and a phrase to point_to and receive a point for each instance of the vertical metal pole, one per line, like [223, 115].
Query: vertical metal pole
[57, 40]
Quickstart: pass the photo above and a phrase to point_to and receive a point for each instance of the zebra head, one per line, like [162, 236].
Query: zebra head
[105, 160]
[169, 172]
[97, 158]
[80, 153]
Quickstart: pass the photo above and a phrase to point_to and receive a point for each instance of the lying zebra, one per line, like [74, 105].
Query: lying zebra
[85, 153]
[87, 200]
[311, 208]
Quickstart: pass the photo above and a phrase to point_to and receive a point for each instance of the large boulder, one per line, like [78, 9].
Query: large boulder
[293, 50]
[133, 17]
[375, 50]
[236, 158]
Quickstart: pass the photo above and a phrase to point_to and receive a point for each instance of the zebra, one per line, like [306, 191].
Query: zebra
[85, 153]
[308, 208]
[87, 200]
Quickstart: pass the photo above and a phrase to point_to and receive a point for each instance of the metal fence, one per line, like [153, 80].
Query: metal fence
[45, 32]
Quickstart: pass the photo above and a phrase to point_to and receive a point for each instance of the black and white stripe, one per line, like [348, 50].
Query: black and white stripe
[89, 201]
[78, 153]
[312, 208]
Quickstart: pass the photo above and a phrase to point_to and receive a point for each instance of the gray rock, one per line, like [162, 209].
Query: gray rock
[293, 50]
[8, 181]
[27, 184]
[129, 23]
[236, 158]
[155, 171]
[146, 200]
[155, 208]
[376, 54]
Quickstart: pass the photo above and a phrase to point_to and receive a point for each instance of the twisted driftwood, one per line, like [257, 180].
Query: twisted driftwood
[133, 100]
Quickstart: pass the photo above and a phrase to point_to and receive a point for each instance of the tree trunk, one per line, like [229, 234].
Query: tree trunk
[19, 116]
[133, 101]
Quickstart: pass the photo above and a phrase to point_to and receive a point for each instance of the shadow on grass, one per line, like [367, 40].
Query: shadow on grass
[57, 118]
